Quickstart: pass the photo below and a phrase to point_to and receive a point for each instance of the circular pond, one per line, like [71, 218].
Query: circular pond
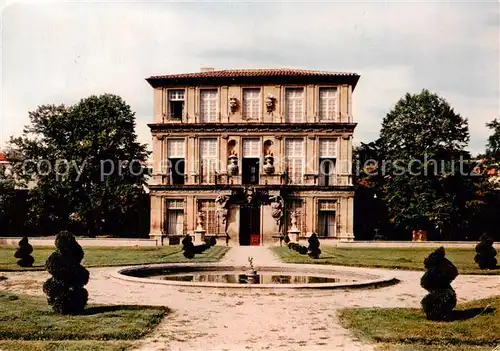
[284, 276]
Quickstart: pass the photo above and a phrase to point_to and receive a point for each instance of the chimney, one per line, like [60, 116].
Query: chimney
[207, 69]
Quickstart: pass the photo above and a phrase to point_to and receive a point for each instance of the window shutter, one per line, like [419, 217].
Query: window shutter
[327, 104]
[328, 148]
[208, 159]
[251, 104]
[208, 105]
[251, 148]
[294, 106]
[294, 159]
[175, 148]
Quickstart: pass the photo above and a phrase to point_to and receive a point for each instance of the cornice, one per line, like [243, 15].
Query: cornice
[252, 128]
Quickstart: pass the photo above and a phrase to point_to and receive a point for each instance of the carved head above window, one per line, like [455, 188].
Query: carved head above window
[270, 103]
[233, 103]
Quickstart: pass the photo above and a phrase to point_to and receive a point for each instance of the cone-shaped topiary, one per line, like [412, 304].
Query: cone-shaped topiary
[23, 252]
[287, 239]
[64, 290]
[314, 250]
[485, 257]
[441, 300]
[212, 241]
[188, 247]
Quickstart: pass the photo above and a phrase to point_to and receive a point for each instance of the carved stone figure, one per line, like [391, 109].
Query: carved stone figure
[268, 163]
[277, 209]
[232, 166]
[221, 202]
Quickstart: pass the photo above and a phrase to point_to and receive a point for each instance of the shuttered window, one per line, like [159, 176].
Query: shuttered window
[210, 219]
[328, 148]
[328, 104]
[327, 218]
[175, 148]
[251, 104]
[294, 105]
[175, 217]
[294, 160]
[208, 105]
[251, 148]
[208, 160]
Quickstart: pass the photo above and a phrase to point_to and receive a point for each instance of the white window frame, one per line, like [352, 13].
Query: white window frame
[292, 158]
[213, 159]
[259, 103]
[258, 153]
[336, 116]
[302, 118]
[335, 157]
[217, 105]
[169, 112]
[335, 210]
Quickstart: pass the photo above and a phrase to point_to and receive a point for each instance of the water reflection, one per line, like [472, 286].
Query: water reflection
[241, 278]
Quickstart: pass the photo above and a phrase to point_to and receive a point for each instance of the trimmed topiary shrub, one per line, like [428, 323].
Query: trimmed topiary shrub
[441, 300]
[485, 253]
[314, 250]
[287, 239]
[302, 250]
[64, 290]
[188, 247]
[212, 241]
[23, 252]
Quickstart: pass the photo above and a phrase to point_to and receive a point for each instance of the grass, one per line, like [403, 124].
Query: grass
[475, 324]
[113, 256]
[28, 323]
[74, 345]
[394, 258]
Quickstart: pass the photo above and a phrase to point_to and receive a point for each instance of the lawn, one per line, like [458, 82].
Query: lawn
[114, 256]
[28, 323]
[475, 325]
[395, 258]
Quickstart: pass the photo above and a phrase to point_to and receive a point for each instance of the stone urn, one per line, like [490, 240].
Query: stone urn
[268, 164]
[232, 166]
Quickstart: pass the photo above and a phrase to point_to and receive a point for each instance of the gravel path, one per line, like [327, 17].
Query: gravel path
[227, 319]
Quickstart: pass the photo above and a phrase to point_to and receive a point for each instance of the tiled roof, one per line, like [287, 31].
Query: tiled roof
[3, 157]
[270, 72]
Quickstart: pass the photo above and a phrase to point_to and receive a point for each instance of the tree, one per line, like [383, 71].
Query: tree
[493, 145]
[23, 253]
[65, 289]
[423, 124]
[423, 140]
[84, 160]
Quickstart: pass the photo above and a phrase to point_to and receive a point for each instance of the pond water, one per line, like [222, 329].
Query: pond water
[244, 278]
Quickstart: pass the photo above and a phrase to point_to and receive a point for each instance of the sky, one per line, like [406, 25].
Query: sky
[55, 52]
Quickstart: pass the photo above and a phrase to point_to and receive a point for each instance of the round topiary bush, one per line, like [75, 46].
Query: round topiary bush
[286, 239]
[441, 300]
[188, 247]
[23, 252]
[485, 253]
[65, 289]
[314, 250]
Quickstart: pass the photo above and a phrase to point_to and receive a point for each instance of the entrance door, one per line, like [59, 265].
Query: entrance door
[249, 225]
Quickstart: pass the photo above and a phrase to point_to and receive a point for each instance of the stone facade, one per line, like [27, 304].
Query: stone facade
[247, 149]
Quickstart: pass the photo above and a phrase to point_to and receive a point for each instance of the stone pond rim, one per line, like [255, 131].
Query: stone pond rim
[364, 280]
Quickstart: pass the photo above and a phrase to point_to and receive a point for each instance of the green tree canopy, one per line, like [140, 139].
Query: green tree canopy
[423, 124]
[427, 185]
[85, 163]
